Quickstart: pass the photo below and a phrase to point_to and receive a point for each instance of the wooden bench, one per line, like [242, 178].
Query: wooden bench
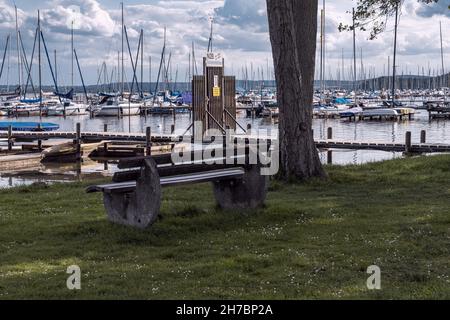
[134, 197]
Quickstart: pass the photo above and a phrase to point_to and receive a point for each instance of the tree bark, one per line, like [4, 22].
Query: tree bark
[293, 33]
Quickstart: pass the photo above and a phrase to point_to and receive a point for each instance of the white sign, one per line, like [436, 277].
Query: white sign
[214, 59]
[216, 81]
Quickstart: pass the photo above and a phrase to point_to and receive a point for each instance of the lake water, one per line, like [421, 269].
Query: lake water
[438, 131]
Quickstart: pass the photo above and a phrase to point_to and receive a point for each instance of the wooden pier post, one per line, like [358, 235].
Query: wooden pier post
[105, 145]
[78, 142]
[148, 141]
[330, 157]
[408, 142]
[330, 133]
[10, 142]
[39, 141]
[172, 129]
[423, 136]
[330, 153]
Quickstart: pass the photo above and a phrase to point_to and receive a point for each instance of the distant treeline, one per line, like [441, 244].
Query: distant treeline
[404, 82]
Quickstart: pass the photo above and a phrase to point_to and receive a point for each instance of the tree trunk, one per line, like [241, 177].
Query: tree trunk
[293, 33]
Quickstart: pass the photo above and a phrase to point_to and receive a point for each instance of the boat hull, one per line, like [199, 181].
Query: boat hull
[120, 110]
[70, 111]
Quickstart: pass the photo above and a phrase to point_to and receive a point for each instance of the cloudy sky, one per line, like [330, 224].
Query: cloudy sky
[241, 34]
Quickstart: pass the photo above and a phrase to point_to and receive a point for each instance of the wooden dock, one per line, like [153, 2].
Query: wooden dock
[408, 147]
[147, 141]
[87, 136]
[439, 113]
[381, 146]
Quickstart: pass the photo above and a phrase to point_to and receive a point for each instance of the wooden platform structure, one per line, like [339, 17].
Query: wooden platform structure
[143, 143]
[382, 146]
[439, 112]
[213, 97]
[408, 148]
[87, 136]
[329, 143]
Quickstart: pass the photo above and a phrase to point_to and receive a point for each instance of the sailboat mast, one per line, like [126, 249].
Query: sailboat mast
[71, 41]
[4, 56]
[321, 54]
[210, 43]
[142, 63]
[122, 67]
[150, 74]
[194, 60]
[56, 68]
[389, 68]
[442, 48]
[395, 54]
[343, 69]
[354, 55]
[442, 60]
[324, 47]
[118, 71]
[39, 62]
[19, 66]
[362, 74]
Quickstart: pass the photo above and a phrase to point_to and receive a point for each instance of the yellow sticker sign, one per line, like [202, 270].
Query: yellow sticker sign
[216, 92]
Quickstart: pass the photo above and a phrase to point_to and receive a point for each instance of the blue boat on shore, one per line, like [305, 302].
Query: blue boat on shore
[28, 126]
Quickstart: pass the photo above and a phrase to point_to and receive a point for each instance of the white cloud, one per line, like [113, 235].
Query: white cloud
[240, 32]
[89, 18]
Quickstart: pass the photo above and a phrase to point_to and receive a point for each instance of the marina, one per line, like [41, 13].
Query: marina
[358, 118]
[388, 138]
[261, 150]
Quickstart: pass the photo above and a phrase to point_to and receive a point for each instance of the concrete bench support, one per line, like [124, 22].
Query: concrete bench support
[138, 209]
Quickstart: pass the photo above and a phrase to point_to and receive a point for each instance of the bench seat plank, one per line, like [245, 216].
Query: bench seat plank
[215, 175]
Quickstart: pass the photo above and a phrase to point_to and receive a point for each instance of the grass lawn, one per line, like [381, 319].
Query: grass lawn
[312, 241]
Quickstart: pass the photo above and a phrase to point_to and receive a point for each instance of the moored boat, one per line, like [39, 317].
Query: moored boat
[28, 126]
[380, 113]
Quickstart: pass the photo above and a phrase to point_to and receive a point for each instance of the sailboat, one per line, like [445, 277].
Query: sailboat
[114, 106]
[66, 107]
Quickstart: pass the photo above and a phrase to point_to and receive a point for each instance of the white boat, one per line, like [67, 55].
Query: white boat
[351, 113]
[325, 111]
[272, 112]
[68, 108]
[405, 111]
[380, 113]
[6, 108]
[112, 108]
[26, 110]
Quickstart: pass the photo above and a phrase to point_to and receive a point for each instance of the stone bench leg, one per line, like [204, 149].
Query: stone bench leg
[248, 193]
[141, 208]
